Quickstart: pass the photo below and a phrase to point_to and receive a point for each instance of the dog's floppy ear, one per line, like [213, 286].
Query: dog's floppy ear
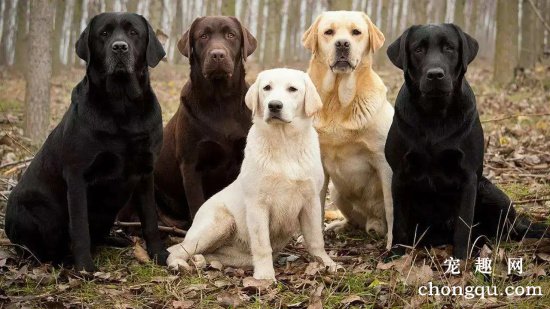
[376, 37]
[312, 102]
[468, 47]
[252, 99]
[155, 52]
[82, 46]
[185, 43]
[249, 42]
[309, 38]
[397, 51]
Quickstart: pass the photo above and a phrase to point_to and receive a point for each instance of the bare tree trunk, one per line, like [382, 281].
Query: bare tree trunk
[419, 7]
[471, 22]
[21, 37]
[527, 53]
[37, 98]
[380, 56]
[260, 30]
[338, 5]
[228, 7]
[8, 35]
[506, 51]
[273, 27]
[458, 18]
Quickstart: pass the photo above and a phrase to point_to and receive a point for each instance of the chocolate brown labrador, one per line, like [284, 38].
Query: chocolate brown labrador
[204, 141]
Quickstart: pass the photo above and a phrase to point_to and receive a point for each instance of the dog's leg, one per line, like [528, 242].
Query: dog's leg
[78, 222]
[465, 219]
[144, 200]
[346, 208]
[257, 220]
[324, 192]
[192, 184]
[312, 229]
[212, 227]
[401, 233]
[385, 173]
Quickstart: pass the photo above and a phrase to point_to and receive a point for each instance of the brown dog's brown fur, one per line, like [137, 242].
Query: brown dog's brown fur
[203, 144]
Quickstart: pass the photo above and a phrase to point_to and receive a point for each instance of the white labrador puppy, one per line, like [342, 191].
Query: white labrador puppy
[277, 192]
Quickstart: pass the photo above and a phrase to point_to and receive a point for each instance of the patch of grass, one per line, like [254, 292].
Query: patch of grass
[10, 106]
[516, 191]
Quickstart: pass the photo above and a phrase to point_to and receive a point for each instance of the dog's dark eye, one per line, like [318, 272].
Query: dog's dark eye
[329, 32]
[133, 32]
[230, 35]
[356, 32]
[418, 50]
[267, 87]
[104, 33]
[448, 48]
[292, 89]
[204, 36]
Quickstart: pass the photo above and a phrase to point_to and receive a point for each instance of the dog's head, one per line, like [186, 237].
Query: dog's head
[283, 96]
[217, 44]
[341, 39]
[433, 57]
[119, 44]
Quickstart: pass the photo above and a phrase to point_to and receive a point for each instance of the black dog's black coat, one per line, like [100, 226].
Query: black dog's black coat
[435, 147]
[102, 153]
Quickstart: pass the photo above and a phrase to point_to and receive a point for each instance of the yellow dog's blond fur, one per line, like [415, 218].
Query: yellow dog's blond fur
[354, 121]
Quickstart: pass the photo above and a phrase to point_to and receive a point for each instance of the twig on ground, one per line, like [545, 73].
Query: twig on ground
[3, 166]
[515, 115]
[533, 200]
[169, 229]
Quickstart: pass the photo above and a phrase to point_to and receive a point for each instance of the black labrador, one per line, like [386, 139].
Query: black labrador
[435, 148]
[204, 141]
[101, 155]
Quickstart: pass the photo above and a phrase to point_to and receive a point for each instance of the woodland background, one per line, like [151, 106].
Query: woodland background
[510, 77]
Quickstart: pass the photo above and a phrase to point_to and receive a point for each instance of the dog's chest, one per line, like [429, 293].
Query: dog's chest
[285, 200]
[348, 163]
[122, 158]
[434, 169]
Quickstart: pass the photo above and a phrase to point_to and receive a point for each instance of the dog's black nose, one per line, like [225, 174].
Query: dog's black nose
[275, 106]
[217, 54]
[436, 73]
[344, 44]
[120, 47]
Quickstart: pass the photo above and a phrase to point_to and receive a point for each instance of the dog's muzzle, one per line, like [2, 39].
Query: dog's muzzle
[218, 64]
[342, 63]
[120, 59]
[435, 83]
[275, 111]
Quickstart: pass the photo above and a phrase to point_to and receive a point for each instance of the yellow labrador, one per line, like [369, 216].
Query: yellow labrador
[355, 118]
[277, 192]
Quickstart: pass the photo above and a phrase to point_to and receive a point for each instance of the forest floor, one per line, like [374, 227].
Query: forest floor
[516, 120]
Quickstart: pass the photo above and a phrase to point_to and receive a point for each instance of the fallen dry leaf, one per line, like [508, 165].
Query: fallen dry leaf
[182, 304]
[140, 253]
[227, 299]
[315, 302]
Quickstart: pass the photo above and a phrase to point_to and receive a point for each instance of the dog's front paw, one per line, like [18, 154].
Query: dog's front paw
[87, 266]
[332, 266]
[337, 226]
[159, 257]
[176, 262]
[268, 275]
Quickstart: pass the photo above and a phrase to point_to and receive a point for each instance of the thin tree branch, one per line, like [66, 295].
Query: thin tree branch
[515, 115]
[539, 15]
[533, 200]
[15, 163]
[169, 229]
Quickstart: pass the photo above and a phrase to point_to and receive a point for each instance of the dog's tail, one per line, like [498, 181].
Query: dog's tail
[501, 219]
